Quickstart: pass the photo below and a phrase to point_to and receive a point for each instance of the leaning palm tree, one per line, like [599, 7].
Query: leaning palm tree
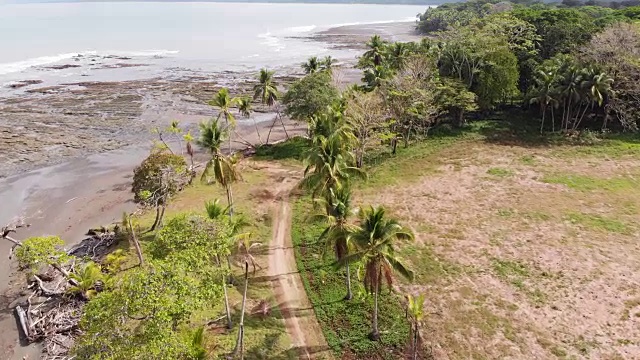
[312, 65]
[245, 109]
[337, 205]
[224, 102]
[267, 91]
[374, 240]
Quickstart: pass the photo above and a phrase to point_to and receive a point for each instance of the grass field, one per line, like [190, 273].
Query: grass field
[526, 245]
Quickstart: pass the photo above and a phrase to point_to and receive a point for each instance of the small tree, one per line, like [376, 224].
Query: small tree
[366, 115]
[453, 97]
[415, 312]
[310, 96]
[157, 178]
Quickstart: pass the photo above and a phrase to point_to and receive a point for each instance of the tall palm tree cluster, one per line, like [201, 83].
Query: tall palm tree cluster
[573, 91]
[370, 243]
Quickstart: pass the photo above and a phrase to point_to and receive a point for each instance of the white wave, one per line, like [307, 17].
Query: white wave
[271, 41]
[300, 29]
[19, 66]
[142, 53]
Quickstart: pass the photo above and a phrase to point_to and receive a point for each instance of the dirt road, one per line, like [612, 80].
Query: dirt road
[300, 321]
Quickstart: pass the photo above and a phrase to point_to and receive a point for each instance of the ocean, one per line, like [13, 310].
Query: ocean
[101, 41]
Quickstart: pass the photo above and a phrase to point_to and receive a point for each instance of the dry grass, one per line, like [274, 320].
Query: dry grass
[522, 252]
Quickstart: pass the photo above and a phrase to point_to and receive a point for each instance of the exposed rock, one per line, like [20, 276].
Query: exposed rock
[24, 83]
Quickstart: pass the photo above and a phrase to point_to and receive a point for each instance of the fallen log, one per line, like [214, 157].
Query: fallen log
[24, 322]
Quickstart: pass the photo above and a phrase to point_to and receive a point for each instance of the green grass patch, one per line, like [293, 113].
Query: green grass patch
[517, 273]
[292, 149]
[345, 324]
[427, 267]
[500, 172]
[607, 146]
[598, 222]
[528, 160]
[589, 183]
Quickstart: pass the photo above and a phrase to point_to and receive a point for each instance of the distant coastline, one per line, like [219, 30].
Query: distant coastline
[375, 2]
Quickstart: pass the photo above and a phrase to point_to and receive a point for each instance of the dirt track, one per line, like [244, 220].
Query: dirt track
[300, 321]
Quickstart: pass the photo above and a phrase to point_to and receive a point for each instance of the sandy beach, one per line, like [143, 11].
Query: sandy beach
[67, 152]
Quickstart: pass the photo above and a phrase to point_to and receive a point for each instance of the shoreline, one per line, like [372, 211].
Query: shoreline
[69, 153]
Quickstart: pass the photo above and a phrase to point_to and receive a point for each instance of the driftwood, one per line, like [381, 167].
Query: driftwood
[54, 320]
[94, 247]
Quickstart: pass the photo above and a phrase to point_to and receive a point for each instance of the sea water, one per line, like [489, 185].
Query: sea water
[169, 37]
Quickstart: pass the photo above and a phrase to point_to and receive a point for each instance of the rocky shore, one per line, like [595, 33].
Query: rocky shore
[47, 125]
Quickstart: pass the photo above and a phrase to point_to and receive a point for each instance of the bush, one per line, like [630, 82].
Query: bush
[160, 173]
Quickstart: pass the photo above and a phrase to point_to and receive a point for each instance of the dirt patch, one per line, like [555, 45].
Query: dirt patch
[519, 266]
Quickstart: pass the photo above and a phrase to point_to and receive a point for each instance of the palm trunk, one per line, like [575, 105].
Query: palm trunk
[553, 120]
[375, 334]
[415, 340]
[240, 340]
[136, 244]
[271, 128]
[283, 126]
[349, 294]
[586, 107]
[544, 112]
[229, 199]
[255, 124]
[226, 303]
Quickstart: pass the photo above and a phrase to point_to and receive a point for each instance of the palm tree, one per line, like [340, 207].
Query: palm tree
[214, 209]
[312, 65]
[374, 240]
[327, 63]
[329, 165]
[224, 102]
[246, 258]
[266, 89]
[223, 168]
[375, 54]
[88, 279]
[596, 87]
[374, 77]
[398, 54]
[415, 312]
[245, 109]
[336, 236]
[543, 93]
